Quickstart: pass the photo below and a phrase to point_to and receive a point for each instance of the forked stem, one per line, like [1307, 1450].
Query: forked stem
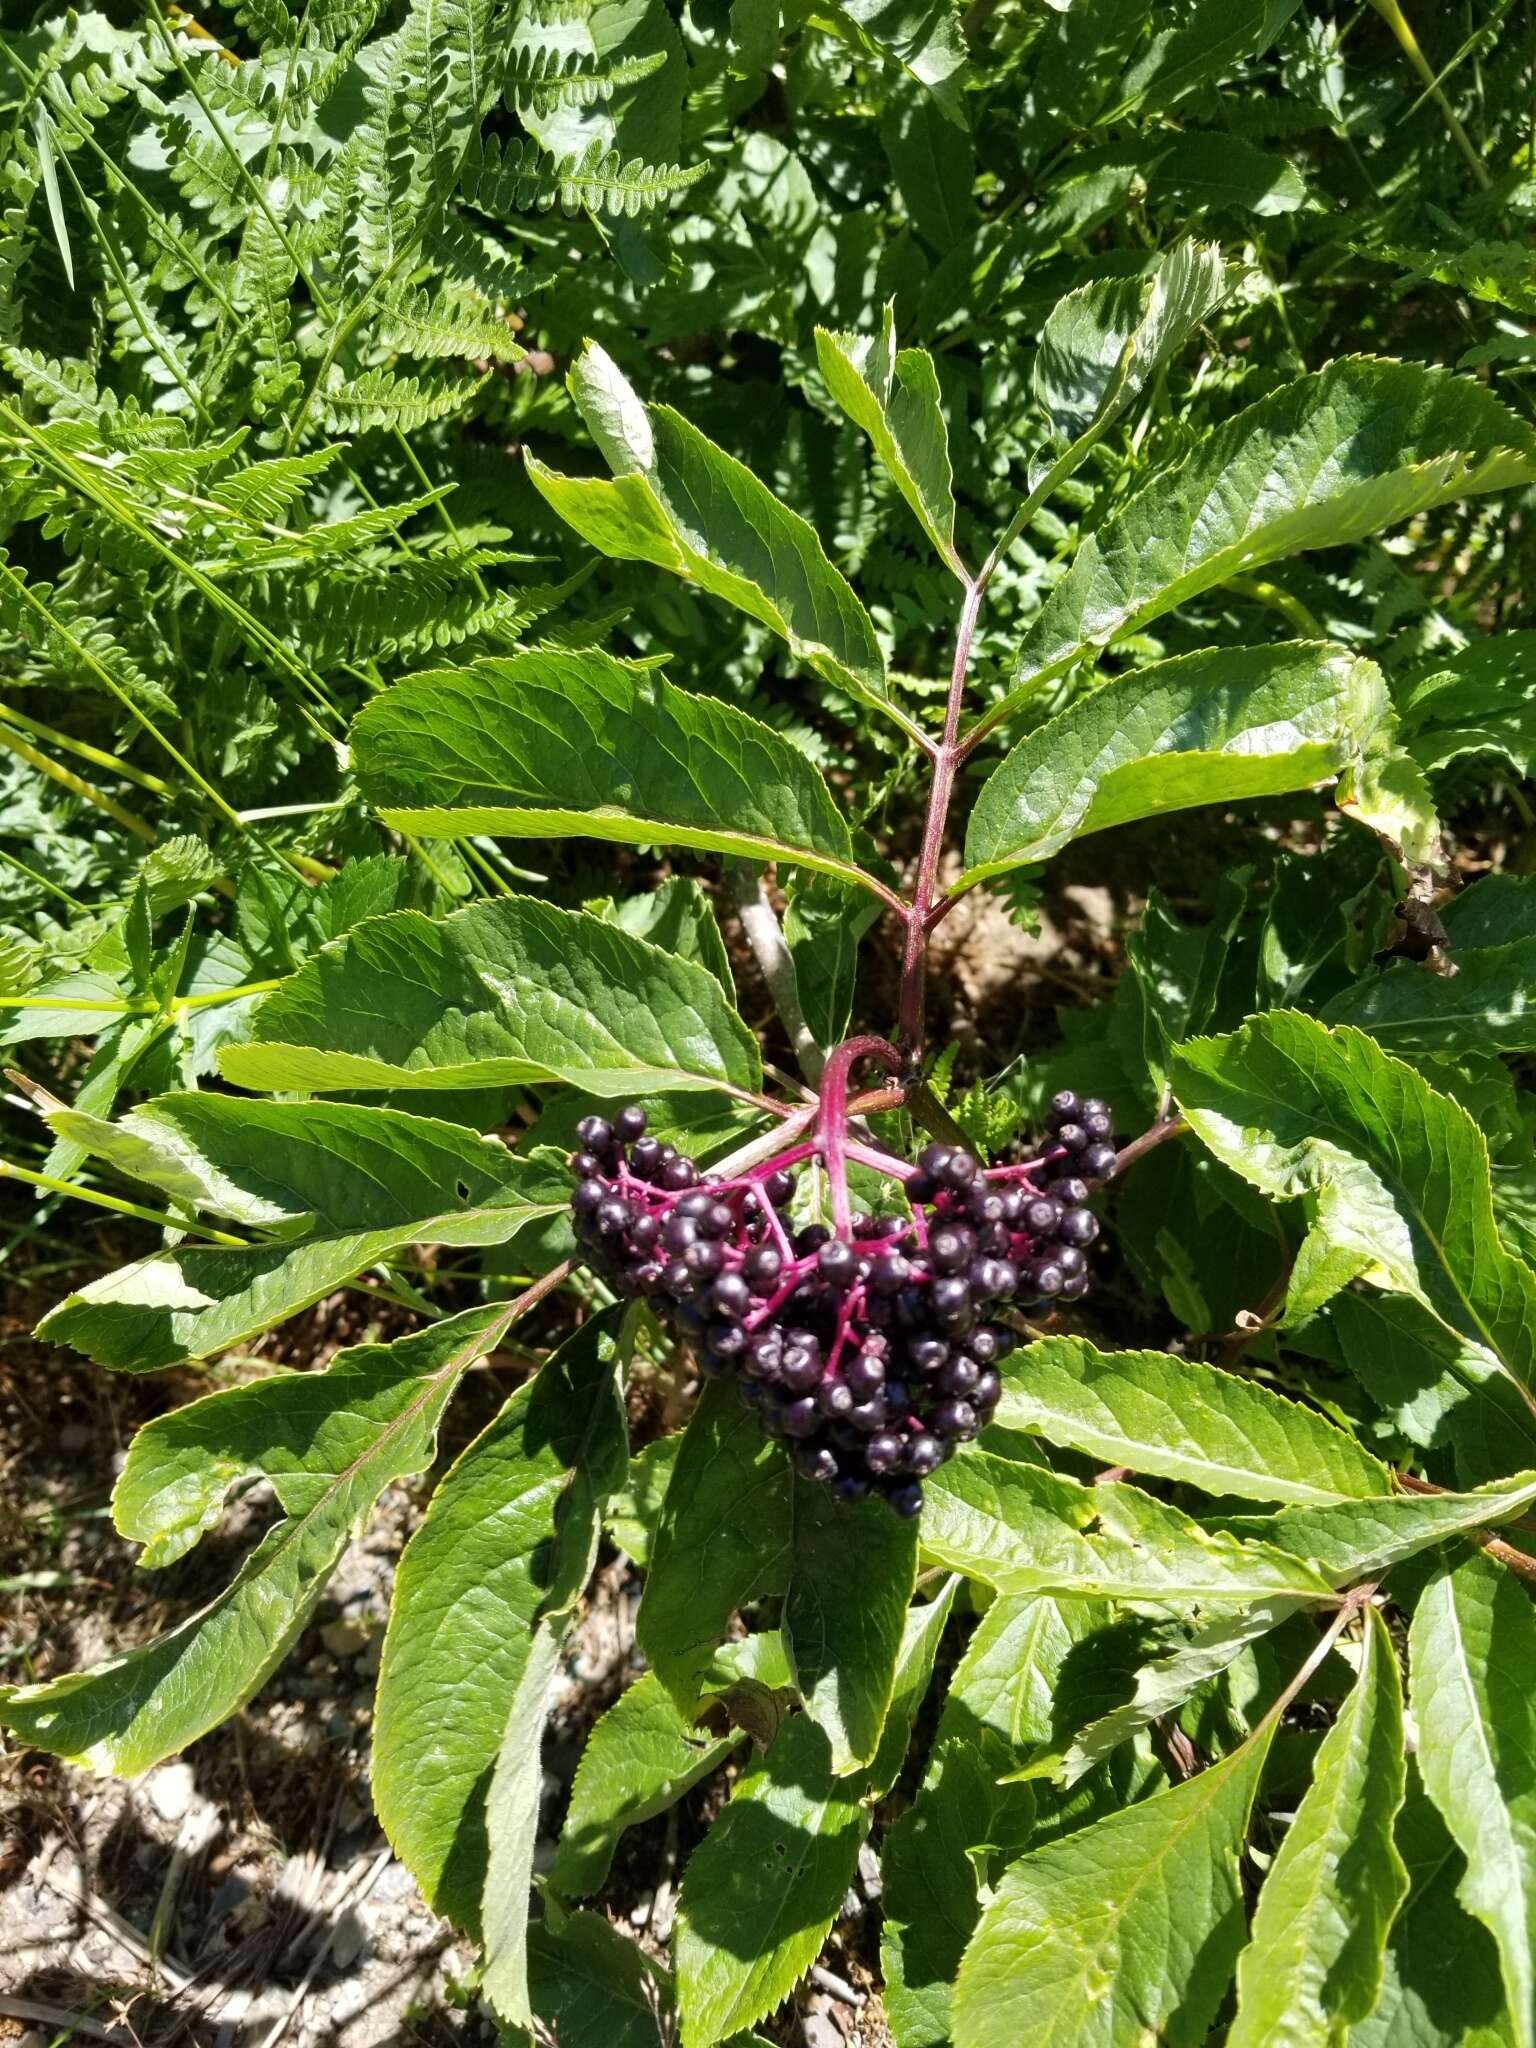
[832, 1122]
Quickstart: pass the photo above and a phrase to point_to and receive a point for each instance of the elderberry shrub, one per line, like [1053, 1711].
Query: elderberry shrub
[871, 1356]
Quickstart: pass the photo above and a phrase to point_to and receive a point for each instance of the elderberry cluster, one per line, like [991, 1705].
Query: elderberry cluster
[872, 1355]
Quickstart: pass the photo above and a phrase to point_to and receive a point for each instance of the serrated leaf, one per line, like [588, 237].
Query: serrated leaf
[1024, 1530]
[1175, 1418]
[344, 1185]
[330, 1443]
[640, 1758]
[1396, 1176]
[679, 917]
[1221, 171]
[998, 1707]
[722, 1538]
[764, 1885]
[1342, 452]
[1479, 699]
[508, 991]
[1086, 334]
[1472, 1689]
[1362, 1539]
[1314, 1961]
[678, 501]
[592, 1985]
[852, 1569]
[1440, 1984]
[925, 37]
[541, 744]
[893, 395]
[1166, 1682]
[1433, 1387]
[1124, 1930]
[1203, 728]
[824, 923]
[501, 1556]
[1482, 1003]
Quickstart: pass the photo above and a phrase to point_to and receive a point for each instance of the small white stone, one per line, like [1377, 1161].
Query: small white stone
[171, 1790]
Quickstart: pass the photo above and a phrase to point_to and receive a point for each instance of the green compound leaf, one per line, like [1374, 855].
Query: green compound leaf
[851, 1574]
[894, 396]
[531, 745]
[330, 1443]
[1343, 452]
[1314, 1962]
[1204, 728]
[678, 501]
[1124, 1931]
[1086, 335]
[480, 1594]
[1396, 1176]
[1177, 1419]
[345, 1185]
[505, 992]
[722, 1538]
[1472, 1688]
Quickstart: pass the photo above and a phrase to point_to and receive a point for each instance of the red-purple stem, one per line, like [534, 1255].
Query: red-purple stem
[946, 761]
[832, 1124]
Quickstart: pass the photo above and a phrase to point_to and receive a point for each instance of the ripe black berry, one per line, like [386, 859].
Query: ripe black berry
[871, 1350]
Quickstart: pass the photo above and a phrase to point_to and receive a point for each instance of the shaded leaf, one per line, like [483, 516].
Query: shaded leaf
[1315, 1958]
[345, 1185]
[723, 1538]
[640, 1758]
[330, 1443]
[1472, 1688]
[1128, 1927]
[894, 396]
[1397, 1176]
[502, 1554]
[851, 1574]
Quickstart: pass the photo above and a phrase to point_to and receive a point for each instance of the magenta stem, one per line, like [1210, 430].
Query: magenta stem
[832, 1124]
[946, 762]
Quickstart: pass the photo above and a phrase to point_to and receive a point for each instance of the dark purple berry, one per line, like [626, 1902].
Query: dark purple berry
[906, 1501]
[1098, 1162]
[629, 1124]
[596, 1134]
[761, 1267]
[956, 1419]
[1079, 1227]
[864, 1374]
[800, 1418]
[837, 1263]
[779, 1187]
[923, 1455]
[883, 1452]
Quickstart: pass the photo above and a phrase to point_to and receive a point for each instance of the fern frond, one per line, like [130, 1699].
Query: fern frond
[264, 491]
[517, 179]
[66, 390]
[425, 323]
[417, 605]
[381, 398]
[587, 88]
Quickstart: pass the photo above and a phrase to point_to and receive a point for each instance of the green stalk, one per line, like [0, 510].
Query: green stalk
[1392, 14]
